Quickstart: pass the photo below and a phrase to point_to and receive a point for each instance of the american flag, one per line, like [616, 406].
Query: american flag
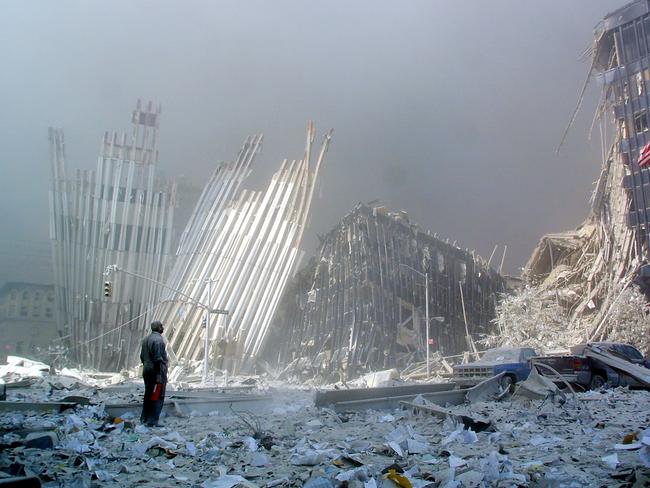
[644, 157]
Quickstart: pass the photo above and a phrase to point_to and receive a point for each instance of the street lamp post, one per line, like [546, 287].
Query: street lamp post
[206, 345]
[426, 311]
[208, 308]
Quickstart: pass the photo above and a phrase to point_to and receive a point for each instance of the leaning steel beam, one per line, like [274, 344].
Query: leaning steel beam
[237, 253]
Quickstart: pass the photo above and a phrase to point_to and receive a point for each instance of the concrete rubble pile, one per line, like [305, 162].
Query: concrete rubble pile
[537, 437]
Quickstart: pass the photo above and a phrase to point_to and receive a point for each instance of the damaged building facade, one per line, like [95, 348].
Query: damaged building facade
[622, 59]
[582, 282]
[121, 214]
[361, 305]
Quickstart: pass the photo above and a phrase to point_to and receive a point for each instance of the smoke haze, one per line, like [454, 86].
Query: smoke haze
[449, 110]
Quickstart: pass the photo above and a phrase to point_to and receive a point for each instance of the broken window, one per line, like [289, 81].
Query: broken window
[630, 45]
[462, 272]
[638, 78]
[624, 132]
[641, 121]
[622, 93]
[441, 263]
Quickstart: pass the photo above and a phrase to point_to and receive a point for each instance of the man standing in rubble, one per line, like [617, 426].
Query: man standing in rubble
[154, 361]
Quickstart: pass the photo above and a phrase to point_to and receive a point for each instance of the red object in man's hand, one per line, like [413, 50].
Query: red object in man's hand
[156, 392]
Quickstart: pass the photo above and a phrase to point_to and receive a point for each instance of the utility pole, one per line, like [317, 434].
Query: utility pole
[426, 312]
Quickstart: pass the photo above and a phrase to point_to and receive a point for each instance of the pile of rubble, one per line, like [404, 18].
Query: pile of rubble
[580, 284]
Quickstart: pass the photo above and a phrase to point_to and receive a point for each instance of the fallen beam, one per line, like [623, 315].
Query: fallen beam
[329, 397]
[450, 397]
[190, 393]
[210, 392]
[50, 407]
[182, 407]
[486, 390]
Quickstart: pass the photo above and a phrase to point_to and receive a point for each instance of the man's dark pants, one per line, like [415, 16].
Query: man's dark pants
[151, 408]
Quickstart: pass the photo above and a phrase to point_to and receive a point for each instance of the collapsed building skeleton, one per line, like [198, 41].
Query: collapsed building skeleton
[121, 213]
[119, 221]
[362, 305]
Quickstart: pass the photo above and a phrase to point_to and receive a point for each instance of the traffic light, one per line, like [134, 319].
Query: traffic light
[108, 289]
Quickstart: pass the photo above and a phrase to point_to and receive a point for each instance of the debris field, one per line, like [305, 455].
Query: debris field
[595, 438]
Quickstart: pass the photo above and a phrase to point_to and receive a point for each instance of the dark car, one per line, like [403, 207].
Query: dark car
[514, 361]
[589, 372]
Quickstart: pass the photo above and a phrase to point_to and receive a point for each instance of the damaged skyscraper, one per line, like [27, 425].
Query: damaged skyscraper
[119, 214]
[581, 280]
[236, 254]
[361, 306]
[622, 58]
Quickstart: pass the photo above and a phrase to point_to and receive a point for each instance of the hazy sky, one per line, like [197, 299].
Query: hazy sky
[450, 110]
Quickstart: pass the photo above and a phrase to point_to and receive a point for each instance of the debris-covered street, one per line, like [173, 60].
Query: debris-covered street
[597, 438]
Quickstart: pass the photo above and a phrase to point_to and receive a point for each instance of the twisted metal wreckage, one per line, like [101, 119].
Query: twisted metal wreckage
[360, 306]
[121, 217]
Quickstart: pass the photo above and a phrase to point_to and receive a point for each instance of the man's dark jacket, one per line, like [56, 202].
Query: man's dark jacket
[154, 357]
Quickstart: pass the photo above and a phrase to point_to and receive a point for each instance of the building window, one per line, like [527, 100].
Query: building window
[25, 295]
[50, 297]
[37, 296]
[638, 78]
[441, 263]
[13, 294]
[48, 313]
[23, 311]
[641, 121]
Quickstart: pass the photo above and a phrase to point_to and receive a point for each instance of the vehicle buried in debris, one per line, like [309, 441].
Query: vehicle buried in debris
[591, 366]
[513, 361]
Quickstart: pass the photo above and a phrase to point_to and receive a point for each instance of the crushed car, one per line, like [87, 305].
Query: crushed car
[587, 368]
